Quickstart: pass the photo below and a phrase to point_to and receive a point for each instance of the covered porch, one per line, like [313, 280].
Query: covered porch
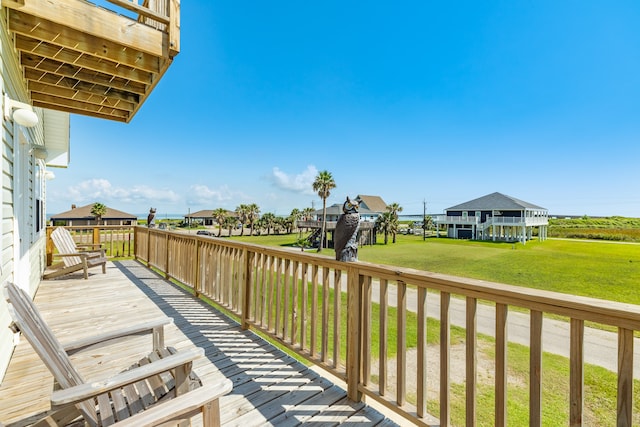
[269, 387]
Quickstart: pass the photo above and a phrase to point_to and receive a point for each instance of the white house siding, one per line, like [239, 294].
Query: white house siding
[22, 248]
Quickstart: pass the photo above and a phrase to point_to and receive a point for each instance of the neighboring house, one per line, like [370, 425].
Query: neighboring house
[83, 216]
[334, 212]
[371, 207]
[204, 217]
[52, 64]
[495, 217]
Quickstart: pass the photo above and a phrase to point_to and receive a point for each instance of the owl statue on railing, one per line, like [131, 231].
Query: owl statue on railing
[345, 238]
[151, 218]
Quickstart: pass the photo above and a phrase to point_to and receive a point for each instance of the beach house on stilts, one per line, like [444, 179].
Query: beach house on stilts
[495, 217]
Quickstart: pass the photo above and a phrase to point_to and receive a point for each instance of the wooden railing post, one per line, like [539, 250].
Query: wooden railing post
[148, 248]
[245, 280]
[354, 347]
[96, 235]
[166, 255]
[198, 275]
[50, 246]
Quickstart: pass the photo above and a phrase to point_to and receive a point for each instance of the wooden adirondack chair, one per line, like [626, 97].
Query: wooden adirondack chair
[73, 259]
[160, 388]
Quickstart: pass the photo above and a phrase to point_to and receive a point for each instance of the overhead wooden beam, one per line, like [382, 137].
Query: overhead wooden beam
[51, 79]
[82, 96]
[65, 37]
[79, 60]
[68, 70]
[89, 19]
[82, 112]
[82, 107]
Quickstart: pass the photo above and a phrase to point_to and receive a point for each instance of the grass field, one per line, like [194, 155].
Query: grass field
[597, 269]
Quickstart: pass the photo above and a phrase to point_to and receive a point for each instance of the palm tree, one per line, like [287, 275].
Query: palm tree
[242, 211]
[220, 216]
[292, 220]
[269, 221]
[98, 210]
[394, 209]
[384, 224]
[307, 214]
[323, 185]
[230, 222]
[253, 213]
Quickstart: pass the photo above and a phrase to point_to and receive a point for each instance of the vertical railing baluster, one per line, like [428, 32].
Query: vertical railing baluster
[287, 299]
[401, 351]
[294, 302]
[366, 329]
[535, 368]
[384, 327]
[421, 368]
[270, 291]
[501, 365]
[625, 377]
[278, 296]
[471, 366]
[248, 261]
[304, 284]
[314, 310]
[325, 315]
[337, 302]
[445, 358]
[576, 372]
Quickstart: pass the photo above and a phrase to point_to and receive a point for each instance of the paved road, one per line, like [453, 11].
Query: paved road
[600, 347]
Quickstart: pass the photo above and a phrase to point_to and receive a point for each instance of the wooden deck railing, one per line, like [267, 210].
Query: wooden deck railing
[297, 298]
[117, 240]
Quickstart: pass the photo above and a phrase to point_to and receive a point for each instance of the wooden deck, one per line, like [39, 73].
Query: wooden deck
[270, 387]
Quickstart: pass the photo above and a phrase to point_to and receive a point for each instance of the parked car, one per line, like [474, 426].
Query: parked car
[204, 233]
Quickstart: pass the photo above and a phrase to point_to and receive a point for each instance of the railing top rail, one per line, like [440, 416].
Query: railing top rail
[91, 227]
[141, 10]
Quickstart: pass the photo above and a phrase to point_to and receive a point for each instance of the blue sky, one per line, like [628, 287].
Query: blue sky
[414, 101]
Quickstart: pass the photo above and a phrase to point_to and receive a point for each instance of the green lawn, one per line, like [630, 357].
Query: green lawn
[596, 269]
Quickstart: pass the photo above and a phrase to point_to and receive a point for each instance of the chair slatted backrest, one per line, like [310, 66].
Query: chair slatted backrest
[63, 241]
[30, 322]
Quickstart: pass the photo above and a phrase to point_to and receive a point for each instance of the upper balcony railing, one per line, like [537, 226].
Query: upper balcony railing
[499, 220]
[87, 59]
[354, 319]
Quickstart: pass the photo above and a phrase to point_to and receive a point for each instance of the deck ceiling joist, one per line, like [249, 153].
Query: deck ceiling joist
[83, 59]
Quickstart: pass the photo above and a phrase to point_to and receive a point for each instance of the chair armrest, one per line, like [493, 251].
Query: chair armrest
[92, 253]
[86, 391]
[86, 245]
[180, 407]
[143, 328]
[80, 254]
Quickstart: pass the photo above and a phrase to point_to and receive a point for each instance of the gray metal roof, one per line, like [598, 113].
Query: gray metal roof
[493, 201]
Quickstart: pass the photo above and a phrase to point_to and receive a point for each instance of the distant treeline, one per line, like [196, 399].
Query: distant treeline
[609, 228]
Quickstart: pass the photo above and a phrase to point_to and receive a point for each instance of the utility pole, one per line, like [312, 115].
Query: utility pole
[424, 219]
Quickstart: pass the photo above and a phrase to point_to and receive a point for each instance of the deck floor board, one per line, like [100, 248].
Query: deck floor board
[270, 387]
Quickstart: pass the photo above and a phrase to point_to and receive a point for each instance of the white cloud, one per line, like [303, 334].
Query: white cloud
[101, 190]
[202, 195]
[300, 183]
